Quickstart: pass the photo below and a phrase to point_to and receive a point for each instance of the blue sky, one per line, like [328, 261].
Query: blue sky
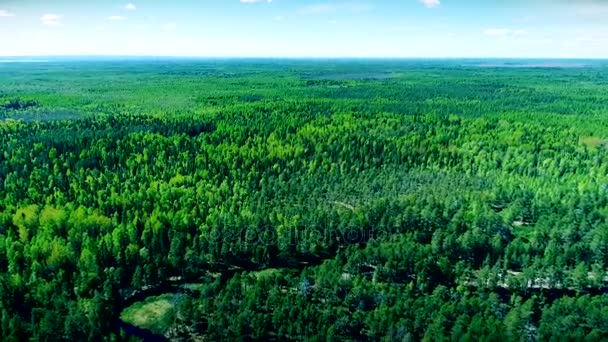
[306, 28]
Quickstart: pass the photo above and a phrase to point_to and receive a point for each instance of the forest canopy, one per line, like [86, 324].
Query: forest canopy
[295, 200]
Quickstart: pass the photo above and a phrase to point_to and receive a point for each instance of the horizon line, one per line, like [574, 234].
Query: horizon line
[295, 57]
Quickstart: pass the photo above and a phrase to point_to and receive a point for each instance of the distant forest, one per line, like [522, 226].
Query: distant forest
[393, 200]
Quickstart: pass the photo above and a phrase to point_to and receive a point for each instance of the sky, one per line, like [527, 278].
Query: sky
[306, 28]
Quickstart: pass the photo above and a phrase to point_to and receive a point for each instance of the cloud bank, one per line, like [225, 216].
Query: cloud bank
[51, 19]
[6, 14]
[431, 3]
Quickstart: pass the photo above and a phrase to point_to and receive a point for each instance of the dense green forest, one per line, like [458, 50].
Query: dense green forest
[390, 200]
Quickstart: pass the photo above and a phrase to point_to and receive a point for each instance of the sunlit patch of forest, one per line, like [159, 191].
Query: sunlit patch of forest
[294, 200]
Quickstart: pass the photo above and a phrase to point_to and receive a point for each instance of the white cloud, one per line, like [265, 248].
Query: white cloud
[504, 32]
[5, 14]
[130, 7]
[51, 19]
[116, 18]
[431, 3]
[254, 1]
[332, 22]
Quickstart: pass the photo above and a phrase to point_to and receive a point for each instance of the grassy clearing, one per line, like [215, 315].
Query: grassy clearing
[155, 313]
[593, 142]
[267, 273]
